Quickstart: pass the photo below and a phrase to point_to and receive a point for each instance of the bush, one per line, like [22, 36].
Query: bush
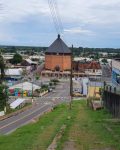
[16, 59]
[55, 80]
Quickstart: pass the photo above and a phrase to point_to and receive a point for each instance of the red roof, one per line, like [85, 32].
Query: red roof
[87, 65]
[94, 65]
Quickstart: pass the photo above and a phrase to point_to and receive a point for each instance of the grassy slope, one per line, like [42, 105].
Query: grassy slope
[85, 128]
[38, 135]
[88, 131]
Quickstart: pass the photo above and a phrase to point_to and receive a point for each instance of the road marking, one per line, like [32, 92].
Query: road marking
[21, 118]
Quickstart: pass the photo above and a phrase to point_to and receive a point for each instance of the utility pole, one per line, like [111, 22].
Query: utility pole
[71, 83]
[22, 89]
[32, 91]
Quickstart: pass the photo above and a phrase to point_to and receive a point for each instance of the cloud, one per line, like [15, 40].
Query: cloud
[19, 10]
[78, 11]
[91, 12]
[78, 30]
[100, 12]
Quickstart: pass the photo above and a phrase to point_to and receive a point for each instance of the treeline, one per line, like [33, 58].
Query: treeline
[14, 49]
[76, 51]
[86, 50]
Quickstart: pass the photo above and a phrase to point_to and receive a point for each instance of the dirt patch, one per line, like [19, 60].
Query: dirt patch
[53, 145]
[70, 145]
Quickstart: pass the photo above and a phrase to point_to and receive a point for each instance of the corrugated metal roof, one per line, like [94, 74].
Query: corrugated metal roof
[16, 103]
[25, 86]
[13, 72]
[58, 46]
[30, 61]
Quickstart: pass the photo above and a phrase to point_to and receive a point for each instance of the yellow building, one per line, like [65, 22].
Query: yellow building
[94, 89]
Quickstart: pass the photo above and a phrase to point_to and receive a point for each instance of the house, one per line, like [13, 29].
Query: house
[13, 74]
[94, 68]
[28, 62]
[88, 67]
[25, 89]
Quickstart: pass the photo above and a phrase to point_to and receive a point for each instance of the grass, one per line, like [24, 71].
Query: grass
[36, 135]
[88, 130]
[84, 126]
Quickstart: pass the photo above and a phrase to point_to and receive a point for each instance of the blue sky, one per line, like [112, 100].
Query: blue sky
[94, 23]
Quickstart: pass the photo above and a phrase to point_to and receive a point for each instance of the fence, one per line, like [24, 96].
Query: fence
[111, 98]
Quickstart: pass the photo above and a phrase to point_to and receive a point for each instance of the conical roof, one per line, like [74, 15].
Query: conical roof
[58, 46]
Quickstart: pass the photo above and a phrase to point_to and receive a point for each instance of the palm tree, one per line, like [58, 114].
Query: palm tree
[2, 68]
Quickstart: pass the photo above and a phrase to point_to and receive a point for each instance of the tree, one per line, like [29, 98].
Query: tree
[104, 61]
[16, 59]
[3, 97]
[2, 68]
[96, 56]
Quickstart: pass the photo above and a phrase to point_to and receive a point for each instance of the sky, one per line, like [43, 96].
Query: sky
[87, 23]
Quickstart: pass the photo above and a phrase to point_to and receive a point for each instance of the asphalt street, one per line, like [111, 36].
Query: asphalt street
[41, 105]
[106, 73]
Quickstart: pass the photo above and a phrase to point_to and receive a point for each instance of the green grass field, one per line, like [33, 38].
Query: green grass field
[86, 129]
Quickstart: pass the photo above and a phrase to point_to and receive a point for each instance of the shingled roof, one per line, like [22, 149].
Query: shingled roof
[58, 46]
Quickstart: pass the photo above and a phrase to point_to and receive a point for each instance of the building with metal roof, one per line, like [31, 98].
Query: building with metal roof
[18, 102]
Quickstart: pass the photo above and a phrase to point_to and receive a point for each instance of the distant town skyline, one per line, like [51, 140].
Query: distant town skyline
[85, 23]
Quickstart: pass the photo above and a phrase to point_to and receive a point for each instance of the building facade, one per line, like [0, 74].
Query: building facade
[90, 68]
[58, 56]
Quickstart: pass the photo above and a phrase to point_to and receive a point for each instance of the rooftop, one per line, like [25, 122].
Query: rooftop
[94, 65]
[89, 65]
[58, 46]
[25, 86]
[16, 103]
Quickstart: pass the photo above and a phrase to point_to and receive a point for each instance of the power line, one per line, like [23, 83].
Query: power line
[55, 16]
[58, 15]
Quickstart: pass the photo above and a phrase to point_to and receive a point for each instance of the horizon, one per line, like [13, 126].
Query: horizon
[37, 46]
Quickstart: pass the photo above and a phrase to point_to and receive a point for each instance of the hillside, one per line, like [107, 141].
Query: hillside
[85, 130]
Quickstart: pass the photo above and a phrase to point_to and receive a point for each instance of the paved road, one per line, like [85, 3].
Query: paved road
[41, 105]
[106, 73]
